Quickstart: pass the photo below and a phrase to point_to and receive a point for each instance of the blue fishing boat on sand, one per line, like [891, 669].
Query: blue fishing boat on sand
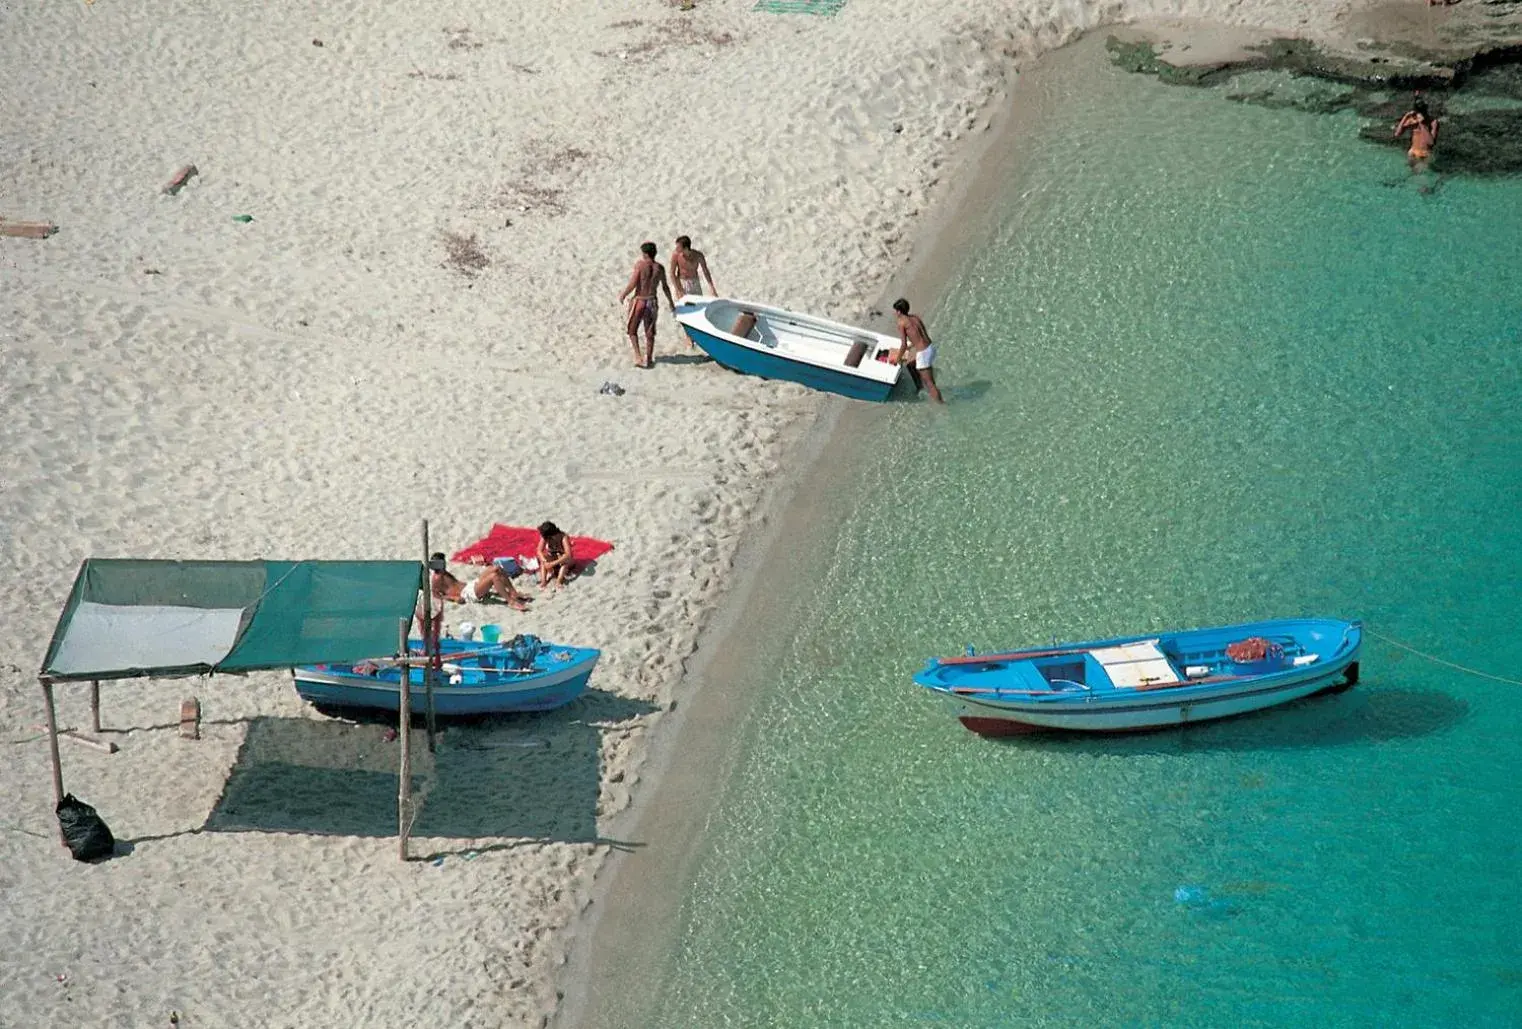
[521, 674]
[1148, 682]
[773, 343]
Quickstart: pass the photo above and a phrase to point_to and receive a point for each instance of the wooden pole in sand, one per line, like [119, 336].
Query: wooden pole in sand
[95, 705]
[428, 643]
[404, 737]
[47, 699]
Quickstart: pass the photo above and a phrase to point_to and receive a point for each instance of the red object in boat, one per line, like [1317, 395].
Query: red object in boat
[1254, 648]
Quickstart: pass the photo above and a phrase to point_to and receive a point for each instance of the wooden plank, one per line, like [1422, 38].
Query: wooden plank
[89, 741]
[27, 230]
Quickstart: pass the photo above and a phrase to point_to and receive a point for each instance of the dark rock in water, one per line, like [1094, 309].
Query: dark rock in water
[1504, 80]
[1141, 56]
[1386, 108]
[1396, 66]
[1316, 102]
[1486, 142]
[1483, 143]
[1393, 65]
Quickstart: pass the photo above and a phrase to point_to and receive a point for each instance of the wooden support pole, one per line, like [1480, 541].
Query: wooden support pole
[428, 666]
[95, 705]
[47, 698]
[404, 737]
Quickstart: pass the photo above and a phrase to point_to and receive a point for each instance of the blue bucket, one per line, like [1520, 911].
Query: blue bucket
[489, 633]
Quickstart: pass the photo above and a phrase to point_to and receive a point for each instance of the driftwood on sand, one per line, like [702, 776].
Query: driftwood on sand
[181, 177]
[27, 230]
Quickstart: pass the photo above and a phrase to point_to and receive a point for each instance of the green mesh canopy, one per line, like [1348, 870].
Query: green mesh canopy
[128, 618]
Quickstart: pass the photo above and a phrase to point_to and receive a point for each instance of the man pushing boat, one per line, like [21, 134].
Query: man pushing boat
[918, 347]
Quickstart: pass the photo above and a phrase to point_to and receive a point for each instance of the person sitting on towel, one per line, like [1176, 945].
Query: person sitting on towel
[493, 581]
[554, 555]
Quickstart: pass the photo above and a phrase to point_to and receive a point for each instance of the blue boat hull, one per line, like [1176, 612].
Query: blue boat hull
[999, 694]
[484, 681]
[771, 366]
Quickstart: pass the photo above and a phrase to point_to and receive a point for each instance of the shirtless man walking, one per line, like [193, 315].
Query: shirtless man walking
[647, 277]
[918, 347]
[686, 263]
[1423, 129]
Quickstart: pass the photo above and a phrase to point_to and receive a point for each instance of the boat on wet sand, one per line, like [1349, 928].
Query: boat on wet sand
[774, 343]
[521, 674]
[1148, 682]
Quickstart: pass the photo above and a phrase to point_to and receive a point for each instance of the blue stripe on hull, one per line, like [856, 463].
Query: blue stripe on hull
[770, 366]
[1261, 696]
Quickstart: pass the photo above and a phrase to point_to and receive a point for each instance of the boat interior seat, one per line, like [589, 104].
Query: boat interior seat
[1137, 665]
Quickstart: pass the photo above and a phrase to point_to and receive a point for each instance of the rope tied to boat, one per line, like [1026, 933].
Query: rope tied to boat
[1441, 661]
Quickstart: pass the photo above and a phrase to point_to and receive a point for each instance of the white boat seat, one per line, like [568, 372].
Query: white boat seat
[1135, 665]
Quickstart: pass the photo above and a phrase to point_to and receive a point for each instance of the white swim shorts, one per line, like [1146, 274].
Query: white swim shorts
[925, 358]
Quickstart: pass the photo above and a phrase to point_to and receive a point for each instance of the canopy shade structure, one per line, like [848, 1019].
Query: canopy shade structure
[129, 618]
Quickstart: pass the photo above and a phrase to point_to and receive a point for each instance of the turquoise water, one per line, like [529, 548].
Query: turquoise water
[1212, 366]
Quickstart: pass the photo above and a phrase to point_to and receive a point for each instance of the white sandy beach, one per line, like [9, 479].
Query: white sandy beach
[312, 383]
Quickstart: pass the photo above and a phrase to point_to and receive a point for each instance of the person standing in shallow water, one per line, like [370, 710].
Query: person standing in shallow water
[918, 348]
[1423, 129]
[647, 277]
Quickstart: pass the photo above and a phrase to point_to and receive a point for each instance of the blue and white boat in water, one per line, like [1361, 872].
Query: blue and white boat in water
[773, 343]
[1148, 682]
[521, 674]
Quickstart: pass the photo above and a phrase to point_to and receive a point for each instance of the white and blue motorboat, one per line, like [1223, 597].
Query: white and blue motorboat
[1148, 682]
[521, 674]
[773, 343]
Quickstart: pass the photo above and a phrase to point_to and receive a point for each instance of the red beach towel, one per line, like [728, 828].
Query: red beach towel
[516, 541]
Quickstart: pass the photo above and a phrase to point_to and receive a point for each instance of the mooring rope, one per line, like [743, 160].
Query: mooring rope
[1437, 660]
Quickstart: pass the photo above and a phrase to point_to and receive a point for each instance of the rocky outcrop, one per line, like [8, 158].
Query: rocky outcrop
[1477, 140]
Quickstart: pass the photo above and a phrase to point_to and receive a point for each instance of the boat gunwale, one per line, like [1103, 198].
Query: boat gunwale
[1124, 700]
[525, 683]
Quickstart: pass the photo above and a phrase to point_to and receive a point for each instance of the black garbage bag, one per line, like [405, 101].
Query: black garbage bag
[85, 833]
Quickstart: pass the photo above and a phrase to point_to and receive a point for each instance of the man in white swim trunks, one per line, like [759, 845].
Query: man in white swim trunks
[686, 265]
[491, 582]
[918, 347]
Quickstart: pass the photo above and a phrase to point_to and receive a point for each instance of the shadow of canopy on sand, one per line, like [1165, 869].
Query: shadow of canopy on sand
[532, 776]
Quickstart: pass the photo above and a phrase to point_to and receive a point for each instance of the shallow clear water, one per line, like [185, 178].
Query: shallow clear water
[1210, 368]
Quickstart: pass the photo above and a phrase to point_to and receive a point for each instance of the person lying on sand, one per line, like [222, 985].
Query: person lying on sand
[493, 581]
[556, 563]
[1423, 129]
